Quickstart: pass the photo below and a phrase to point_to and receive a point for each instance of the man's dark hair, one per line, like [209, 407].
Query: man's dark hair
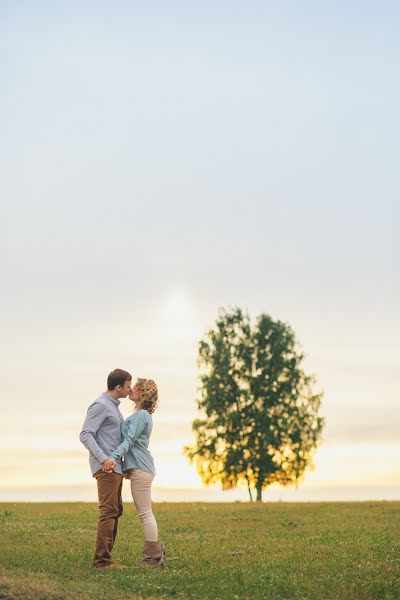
[117, 377]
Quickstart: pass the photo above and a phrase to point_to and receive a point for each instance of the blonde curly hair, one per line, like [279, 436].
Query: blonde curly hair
[148, 394]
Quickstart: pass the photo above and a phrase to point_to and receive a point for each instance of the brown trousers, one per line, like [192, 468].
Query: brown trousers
[109, 487]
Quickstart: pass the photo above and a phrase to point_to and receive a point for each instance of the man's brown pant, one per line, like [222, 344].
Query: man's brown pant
[109, 487]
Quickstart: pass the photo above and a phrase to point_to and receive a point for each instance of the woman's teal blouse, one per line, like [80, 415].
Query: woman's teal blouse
[136, 431]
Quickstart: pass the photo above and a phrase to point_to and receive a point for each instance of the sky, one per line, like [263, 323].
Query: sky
[162, 160]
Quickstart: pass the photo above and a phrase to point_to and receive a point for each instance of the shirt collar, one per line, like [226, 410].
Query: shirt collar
[116, 402]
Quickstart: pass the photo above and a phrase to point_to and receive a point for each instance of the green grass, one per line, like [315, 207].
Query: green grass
[220, 551]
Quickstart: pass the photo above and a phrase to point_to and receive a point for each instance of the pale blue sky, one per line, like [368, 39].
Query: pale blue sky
[160, 158]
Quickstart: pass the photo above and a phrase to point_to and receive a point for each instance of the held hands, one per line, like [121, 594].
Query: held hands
[108, 465]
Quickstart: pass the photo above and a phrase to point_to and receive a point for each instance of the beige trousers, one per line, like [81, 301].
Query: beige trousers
[141, 493]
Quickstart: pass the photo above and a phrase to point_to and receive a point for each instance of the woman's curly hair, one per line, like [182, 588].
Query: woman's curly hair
[148, 394]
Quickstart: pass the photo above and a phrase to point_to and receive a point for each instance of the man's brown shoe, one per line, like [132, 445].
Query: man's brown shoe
[112, 565]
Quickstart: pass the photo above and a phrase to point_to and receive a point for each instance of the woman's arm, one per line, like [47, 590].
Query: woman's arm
[135, 428]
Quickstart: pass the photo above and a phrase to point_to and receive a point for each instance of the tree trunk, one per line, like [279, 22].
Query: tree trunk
[248, 487]
[259, 493]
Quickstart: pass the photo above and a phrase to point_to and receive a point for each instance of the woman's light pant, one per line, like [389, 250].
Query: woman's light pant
[141, 493]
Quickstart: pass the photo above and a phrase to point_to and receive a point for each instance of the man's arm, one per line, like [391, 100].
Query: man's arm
[94, 418]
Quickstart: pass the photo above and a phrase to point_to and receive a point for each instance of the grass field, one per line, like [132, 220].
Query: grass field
[226, 551]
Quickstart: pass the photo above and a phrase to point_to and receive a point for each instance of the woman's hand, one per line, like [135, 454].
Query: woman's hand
[108, 465]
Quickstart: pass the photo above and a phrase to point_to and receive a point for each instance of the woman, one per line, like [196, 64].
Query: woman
[139, 465]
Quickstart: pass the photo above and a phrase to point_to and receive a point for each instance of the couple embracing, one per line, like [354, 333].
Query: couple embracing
[110, 439]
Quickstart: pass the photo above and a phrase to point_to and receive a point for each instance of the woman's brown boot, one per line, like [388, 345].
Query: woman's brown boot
[153, 554]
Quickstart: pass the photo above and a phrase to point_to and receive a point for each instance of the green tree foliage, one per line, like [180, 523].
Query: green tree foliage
[261, 422]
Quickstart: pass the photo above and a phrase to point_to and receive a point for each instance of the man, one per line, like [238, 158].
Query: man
[101, 434]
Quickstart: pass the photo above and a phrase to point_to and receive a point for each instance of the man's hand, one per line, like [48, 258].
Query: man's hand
[108, 465]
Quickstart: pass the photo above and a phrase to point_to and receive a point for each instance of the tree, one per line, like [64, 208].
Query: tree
[260, 421]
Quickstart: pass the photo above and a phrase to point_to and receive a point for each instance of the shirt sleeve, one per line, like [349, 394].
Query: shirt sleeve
[135, 427]
[96, 414]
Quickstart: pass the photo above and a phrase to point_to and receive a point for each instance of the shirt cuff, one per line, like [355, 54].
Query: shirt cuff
[102, 457]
